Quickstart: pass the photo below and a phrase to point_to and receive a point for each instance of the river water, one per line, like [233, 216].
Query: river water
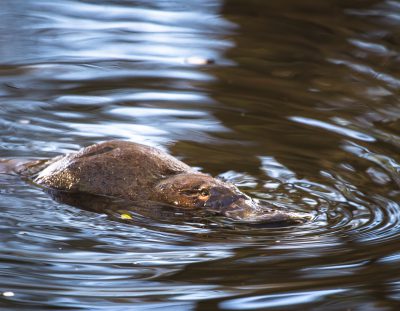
[293, 101]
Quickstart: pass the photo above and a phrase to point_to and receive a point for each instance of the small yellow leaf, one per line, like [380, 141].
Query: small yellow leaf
[126, 216]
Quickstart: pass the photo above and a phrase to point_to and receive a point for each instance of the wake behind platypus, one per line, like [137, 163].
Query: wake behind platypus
[138, 172]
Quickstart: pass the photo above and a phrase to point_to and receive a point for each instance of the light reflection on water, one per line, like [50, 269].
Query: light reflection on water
[272, 301]
[295, 102]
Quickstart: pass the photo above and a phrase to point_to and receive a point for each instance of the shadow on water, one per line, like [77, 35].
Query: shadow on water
[299, 108]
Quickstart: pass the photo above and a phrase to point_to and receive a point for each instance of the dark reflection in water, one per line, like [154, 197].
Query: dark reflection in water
[298, 107]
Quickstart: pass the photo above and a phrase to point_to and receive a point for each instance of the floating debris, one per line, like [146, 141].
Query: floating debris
[126, 216]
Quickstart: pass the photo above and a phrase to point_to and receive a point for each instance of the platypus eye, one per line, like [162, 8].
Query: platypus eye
[204, 192]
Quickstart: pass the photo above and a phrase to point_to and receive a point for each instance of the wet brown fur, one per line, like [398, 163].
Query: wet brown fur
[137, 172]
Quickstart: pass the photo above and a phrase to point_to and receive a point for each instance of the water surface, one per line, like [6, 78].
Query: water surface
[296, 102]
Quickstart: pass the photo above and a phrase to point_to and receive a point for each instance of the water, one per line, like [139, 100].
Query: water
[294, 101]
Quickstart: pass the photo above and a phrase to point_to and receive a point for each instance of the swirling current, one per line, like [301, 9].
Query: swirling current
[296, 102]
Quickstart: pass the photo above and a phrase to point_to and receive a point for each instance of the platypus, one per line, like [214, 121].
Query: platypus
[137, 172]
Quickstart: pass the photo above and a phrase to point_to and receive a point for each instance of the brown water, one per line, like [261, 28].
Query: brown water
[299, 107]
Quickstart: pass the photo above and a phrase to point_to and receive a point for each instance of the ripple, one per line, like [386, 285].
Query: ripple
[333, 128]
[273, 301]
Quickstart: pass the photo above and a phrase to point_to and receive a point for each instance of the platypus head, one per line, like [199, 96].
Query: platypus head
[195, 191]
[198, 191]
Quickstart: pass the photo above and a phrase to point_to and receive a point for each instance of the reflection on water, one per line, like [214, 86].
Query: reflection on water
[294, 101]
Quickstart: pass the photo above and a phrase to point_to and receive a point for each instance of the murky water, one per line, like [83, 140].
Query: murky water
[298, 107]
